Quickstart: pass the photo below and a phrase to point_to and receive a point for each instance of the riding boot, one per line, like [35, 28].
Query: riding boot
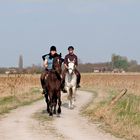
[46, 91]
[43, 81]
[43, 86]
[63, 81]
[78, 81]
[78, 78]
[62, 85]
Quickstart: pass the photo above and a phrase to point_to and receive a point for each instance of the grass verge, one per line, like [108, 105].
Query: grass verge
[12, 102]
[122, 119]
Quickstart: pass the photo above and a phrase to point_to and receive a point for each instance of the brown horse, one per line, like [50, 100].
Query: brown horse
[53, 87]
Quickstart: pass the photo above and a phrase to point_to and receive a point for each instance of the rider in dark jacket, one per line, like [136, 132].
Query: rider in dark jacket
[71, 56]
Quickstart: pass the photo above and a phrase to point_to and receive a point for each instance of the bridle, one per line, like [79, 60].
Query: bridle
[57, 64]
[71, 68]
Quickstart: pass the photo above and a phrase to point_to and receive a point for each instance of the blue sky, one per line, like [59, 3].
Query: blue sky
[96, 28]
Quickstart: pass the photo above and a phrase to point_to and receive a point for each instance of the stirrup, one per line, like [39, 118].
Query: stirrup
[64, 91]
[44, 92]
[78, 86]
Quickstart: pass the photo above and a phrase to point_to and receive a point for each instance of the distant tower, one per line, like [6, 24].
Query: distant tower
[20, 65]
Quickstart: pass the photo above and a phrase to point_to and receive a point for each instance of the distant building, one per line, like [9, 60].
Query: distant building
[96, 71]
[11, 71]
[118, 71]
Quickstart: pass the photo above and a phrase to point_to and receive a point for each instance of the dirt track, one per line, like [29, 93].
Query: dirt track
[20, 125]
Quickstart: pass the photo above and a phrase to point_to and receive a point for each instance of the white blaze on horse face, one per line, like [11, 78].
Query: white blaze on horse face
[70, 71]
[71, 67]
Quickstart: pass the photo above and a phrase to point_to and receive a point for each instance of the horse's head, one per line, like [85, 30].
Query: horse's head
[57, 64]
[71, 66]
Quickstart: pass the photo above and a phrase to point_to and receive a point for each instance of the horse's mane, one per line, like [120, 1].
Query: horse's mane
[53, 72]
[57, 56]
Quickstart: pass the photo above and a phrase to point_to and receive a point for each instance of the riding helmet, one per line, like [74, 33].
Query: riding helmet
[70, 47]
[53, 48]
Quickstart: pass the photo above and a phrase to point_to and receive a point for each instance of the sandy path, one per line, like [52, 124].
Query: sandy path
[19, 124]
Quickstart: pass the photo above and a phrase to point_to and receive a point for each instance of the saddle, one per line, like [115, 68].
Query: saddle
[52, 71]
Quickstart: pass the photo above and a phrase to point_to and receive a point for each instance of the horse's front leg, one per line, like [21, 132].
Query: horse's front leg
[73, 96]
[47, 101]
[55, 104]
[59, 103]
[51, 106]
[69, 97]
[70, 100]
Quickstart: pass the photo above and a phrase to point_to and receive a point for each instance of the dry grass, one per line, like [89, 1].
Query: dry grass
[17, 84]
[16, 90]
[112, 81]
[123, 119]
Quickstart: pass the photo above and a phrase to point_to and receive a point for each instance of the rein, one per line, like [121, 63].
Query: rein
[56, 73]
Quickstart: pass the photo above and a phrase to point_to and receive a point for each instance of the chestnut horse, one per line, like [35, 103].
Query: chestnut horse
[53, 87]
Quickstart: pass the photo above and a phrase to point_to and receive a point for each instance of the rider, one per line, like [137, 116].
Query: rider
[48, 64]
[71, 56]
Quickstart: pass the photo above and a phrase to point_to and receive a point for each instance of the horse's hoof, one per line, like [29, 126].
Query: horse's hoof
[48, 111]
[54, 112]
[58, 116]
[69, 106]
[51, 114]
[59, 111]
[72, 107]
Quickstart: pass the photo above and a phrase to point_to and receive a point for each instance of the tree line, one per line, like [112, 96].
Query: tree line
[118, 62]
